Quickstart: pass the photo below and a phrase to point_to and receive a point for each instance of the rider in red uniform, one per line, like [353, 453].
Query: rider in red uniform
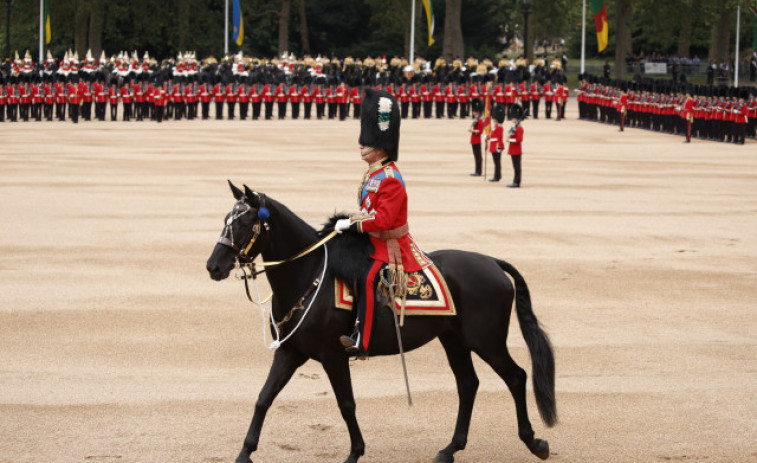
[383, 202]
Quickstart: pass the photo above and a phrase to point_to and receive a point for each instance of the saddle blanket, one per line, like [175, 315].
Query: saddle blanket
[427, 294]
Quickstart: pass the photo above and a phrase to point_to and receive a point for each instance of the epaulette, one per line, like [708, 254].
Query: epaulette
[389, 171]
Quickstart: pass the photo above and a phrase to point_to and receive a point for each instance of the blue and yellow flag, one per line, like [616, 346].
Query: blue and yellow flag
[429, 20]
[238, 32]
[46, 18]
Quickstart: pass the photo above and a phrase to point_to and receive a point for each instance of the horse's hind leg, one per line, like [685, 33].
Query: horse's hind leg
[285, 363]
[515, 378]
[460, 361]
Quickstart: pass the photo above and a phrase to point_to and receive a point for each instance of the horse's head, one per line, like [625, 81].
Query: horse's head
[244, 235]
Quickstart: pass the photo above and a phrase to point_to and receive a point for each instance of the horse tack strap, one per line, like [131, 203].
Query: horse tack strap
[301, 254]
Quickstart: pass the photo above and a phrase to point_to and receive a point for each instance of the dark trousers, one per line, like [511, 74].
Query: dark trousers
[464, 110]
[356, 111]
[516, 168]
[113, 112]
[416, 109]
[404, 106]
[256, 110]
[535, 108]
[73, 111]
[452, 110]
[439, 109]
[477, 157]
[295, 110]
[243, 110]
[127, 112]
[427, 105]
[319, 110]
[497, 157]
[308, 109]
[268, 110]
[86, 110]
[343, 107]
[332, 110]
[205, 110]
[159, 113]
[230, 105]
[219, 109]
[282, 109]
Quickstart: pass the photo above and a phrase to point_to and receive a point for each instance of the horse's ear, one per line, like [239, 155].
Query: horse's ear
[235, 191]
[249, 193]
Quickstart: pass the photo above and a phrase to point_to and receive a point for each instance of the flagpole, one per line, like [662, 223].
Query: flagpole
[583, 37]
[41, 29]
[736, 64]
[412, 32]
[226, 30]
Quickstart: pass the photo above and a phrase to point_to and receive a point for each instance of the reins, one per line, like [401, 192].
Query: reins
[314, 287]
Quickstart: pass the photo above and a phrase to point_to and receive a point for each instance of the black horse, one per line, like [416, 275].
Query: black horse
[482, 293]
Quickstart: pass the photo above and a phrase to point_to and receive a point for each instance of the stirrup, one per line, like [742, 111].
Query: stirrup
[350, 344]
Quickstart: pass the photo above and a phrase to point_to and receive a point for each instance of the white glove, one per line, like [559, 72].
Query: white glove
[342, 225]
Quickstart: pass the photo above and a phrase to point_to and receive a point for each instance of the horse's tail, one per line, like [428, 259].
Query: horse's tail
[542, 358]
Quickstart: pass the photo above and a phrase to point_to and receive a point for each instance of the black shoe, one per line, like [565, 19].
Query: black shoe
[513, 185]
[475, 174]
[494, 180]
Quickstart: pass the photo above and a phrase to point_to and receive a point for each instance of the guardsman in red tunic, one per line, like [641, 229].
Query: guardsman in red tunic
[451, 98]
[524, 92]
[462, 99]
[383, 215]
[496, 140]
[25, 100]
[179, 101]
[38, 97]
[320, 98]
[139, 100]
[342, 99]
[48, 89]
[688, 114]
[357, 101]
[60, 100]
[294, 100]
[438, 93]
[255, 99]
[113, 100]
[404, 98]
[159, 98]
[219, 96]
[307, 97]
[415, 98]
[243, 97]
[622, 107]
[73, 102]
[511, 95]
[535, 97]
[85, 93]
[268, 98]
[477, 128]
[127, 97]
[231, 99]
[514, 146]
[101, 99]
[549, 96]
[281, 99]
[205, 97]
[427, 97]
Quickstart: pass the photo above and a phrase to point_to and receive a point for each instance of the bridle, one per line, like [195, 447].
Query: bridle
[247, 267]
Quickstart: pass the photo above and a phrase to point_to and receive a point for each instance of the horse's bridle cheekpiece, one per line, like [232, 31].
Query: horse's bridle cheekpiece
[241, 208]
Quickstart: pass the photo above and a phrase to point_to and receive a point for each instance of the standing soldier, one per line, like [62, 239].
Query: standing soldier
[549, 95]
[73, 102]
[511, 94]
[342, 99]
[622, 106]
[101, 98]
[415, 97]
[404, 98]
[205, 98]
[219, 96]
[255, 99]
[438, 99]
[331, 99]
[243, 97]
[357, 100]
[495, 140]
[139, 100]
[524, 92]
[307, 97]
[281, 98]
[179, 99]
[427, 97]
[113, 100]
[477, 128]
[159, 99]
[60, 99]
[294, 98]
[268, 98]
[462, 99]
[688, 113]
[3, 98]
[48, 89]
[319, 97]
[451, 97]
[25, 100]
[38, 97]
[127, 97]
[535, 98]
[514, 147]
[231, 98]
[85, 93]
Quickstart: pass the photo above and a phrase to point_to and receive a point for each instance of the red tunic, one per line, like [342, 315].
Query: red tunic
[496, 139]
[515, 142]
[383, 200]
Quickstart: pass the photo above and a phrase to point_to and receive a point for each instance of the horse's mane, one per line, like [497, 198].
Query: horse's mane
[349, 252]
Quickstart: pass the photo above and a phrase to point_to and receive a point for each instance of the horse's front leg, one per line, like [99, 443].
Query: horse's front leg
[285, 363]
[338, 371]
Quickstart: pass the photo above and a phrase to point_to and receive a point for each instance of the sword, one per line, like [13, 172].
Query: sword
[390, 284]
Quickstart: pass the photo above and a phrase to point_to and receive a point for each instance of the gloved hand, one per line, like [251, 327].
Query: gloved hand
[342, 225]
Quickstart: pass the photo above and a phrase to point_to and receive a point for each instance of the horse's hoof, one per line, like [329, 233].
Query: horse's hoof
[442, 457]
[540, 448]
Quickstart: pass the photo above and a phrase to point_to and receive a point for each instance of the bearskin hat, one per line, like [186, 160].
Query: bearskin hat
[498, 113]
[477, 105]
[516, 111]
[380, 122]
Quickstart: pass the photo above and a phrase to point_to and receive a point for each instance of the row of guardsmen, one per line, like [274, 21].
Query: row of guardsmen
[725, 114]
[157, 99]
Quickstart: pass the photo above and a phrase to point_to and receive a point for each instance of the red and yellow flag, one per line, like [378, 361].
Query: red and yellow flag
[599, 10]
